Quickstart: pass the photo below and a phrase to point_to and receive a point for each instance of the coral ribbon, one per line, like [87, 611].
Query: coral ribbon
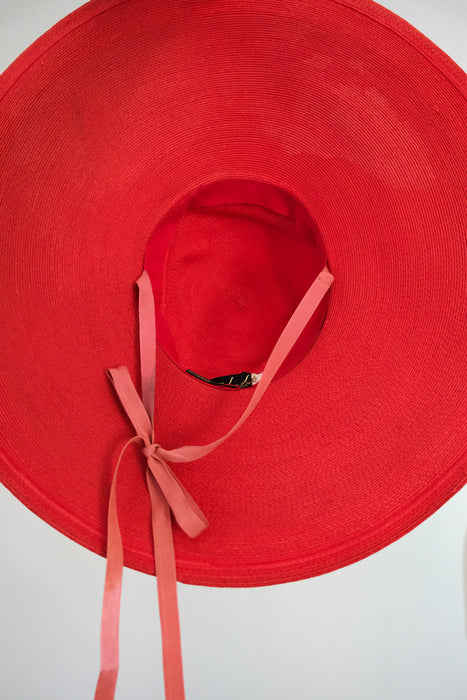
[166, 492]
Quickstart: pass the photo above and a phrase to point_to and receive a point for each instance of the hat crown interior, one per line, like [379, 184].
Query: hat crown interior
[228, 265]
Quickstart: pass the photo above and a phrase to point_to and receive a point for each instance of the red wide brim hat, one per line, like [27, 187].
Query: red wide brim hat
[231, 149]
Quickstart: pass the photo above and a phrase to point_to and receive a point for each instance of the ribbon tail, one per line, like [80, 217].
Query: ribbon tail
[167, 591]
[107, 680]
[110, 620]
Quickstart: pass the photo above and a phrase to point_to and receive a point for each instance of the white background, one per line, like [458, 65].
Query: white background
[390, 627]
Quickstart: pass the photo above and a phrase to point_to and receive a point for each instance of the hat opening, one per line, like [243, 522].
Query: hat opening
[228, 265]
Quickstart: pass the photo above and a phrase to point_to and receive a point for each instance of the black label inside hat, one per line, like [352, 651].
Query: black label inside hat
[232, 381]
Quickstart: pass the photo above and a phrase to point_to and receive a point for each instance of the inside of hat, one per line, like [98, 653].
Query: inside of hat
[229, 264]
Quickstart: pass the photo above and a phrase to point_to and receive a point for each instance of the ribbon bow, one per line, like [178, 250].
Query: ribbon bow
[187, 514]
[166, 492]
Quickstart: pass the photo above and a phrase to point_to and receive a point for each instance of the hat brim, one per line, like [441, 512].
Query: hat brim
[107, 121]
